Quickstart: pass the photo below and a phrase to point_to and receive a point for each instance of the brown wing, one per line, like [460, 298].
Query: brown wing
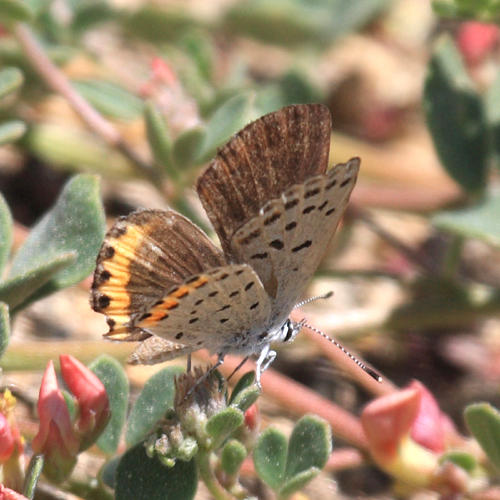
[262, 161]
[144, 255]
[284, 244]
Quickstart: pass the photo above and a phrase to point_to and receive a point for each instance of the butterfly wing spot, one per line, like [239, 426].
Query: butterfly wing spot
[291, 225]
[233, 294]
[103, 301]
[323, 205]
[330, 211]
[277, 244]
[179, 335]
[273, 218]
[331, 184]
[306, 244]
[260, 256]
[254, 305]
[223, 320]
[223, 308]
[312, 192]
[345, 182]
[198, 302]
[290, 204]
[193, 320]
[213, 294]
[308, 209]
[249, 285]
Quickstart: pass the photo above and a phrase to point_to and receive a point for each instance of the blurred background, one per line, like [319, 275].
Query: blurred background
[413, 90]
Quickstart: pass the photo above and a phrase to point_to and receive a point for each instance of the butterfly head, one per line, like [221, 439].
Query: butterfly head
[289, 330]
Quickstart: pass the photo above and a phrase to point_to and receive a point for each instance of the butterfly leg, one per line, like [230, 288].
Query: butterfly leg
[245, 359]
[266, 357]
[188, 365]
[207, 374]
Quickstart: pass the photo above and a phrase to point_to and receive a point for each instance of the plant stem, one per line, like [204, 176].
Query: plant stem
[57, 81]
[208, 477]
[32, 475]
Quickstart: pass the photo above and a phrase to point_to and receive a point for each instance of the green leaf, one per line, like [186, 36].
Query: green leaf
[245, 381]
[141, 477]
[33, 472]
[11, 131]
[463, 459]
[227, 120]
[12, 11]
[17, 291]
[246, 398]
[88, 14]
[296, 22]
[201, 50]
[298, 481]
[456, 118]
[75, 224]
[5, 233]
[159, 25]
[155, 399]
[310, 445]
[222, 424]
[113, 377]
[483, 421]
[4, 327]
[10, 80]
[110, 99]
[491, 106]
[478, 221]
[159, 139]
[232, 457]
[269, 457]
[187, 146]
[72, 149]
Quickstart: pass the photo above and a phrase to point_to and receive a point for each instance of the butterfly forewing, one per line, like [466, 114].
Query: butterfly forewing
[285, 243]
[219, 310]
[260, 162]
[143, 255]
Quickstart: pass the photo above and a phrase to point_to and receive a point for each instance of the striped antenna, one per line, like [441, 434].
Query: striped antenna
[365, 368]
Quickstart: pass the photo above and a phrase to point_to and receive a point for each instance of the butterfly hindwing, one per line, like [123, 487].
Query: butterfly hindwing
[285, 243]
[216, 310]
[143, 255]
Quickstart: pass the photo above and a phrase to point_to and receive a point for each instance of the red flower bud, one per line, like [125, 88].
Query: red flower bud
[7, 440]
[55, 439]
[475, 40]
[8, 494]
[91, 397]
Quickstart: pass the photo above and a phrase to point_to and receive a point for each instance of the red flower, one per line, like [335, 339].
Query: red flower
[7, 440]
[91, 398]
[55, 439]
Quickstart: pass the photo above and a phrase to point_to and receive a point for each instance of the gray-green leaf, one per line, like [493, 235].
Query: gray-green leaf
[5, 233]
[4, 327]
[269, 457]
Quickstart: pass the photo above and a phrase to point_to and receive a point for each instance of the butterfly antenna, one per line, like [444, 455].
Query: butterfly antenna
[365, 368]
[326, 295]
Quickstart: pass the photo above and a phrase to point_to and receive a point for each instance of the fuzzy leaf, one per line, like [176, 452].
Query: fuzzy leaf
[141, 477]
[10, 80]
[298, 481]
[113, 377]
[310, 445]
[227, 120]
[17, 291]
[159, 139]
[456, 118]
[156, 397]
[222, 424]
[110, 99]
[232, 456]
[477, 221]
[5, 233]
[4, 327]
[246, 398]
[244, 382]
[461, 458]
[75, 224]
[483, 421]
[269, 457]
[11, 131]
[187, 146]
[73, 149]
[107, 473]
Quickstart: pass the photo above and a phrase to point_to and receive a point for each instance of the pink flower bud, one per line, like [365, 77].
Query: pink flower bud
[91, 397]
[8, 494]
[7, 440]
[55, 439]
[475, 40]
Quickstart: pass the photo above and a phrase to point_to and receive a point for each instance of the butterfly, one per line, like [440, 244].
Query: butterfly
[274, 205]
